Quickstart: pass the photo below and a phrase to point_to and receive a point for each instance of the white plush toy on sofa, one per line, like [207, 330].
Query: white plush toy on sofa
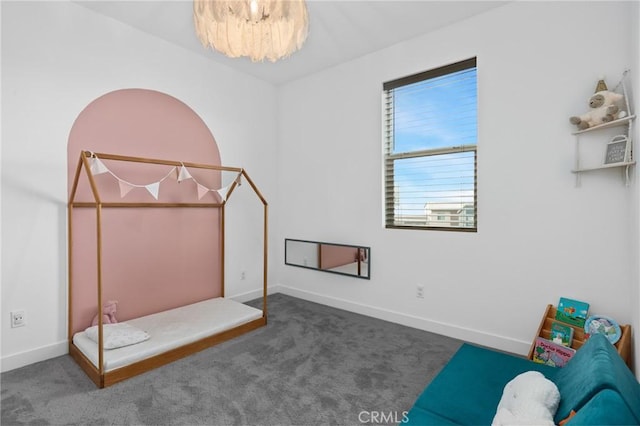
[528, 399]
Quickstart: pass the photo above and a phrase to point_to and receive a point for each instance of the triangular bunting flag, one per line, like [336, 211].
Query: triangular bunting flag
[222, 192]
[97, 167]
[239, 179]
[184, 174]
[174, 173]
[125, 187]
[153, 189]
[202, 190]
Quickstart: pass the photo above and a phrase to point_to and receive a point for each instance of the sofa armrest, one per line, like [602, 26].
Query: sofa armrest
[595, 366]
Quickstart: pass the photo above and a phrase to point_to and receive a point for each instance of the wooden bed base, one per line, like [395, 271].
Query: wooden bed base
[114, 376]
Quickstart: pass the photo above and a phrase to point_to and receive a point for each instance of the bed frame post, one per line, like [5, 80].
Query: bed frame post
[72, 196]
[222, 245]
[265, 242]
[99, 271]
[96, 196]
[264, 267]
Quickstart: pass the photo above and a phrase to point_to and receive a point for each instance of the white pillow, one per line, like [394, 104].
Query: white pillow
[117, 335]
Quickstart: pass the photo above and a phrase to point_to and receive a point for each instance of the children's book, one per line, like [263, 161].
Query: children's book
[572, 312]
[561, 334]
[549, 353]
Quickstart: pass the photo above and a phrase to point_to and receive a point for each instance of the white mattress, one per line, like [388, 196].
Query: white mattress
[171, 329]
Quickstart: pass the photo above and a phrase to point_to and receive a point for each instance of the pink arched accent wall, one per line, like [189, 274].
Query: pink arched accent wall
[153, 259]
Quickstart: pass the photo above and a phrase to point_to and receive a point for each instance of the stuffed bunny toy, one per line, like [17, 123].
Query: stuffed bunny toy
[108, 313]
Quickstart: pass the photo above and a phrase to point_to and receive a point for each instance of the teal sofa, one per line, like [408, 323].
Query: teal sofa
[595, 383]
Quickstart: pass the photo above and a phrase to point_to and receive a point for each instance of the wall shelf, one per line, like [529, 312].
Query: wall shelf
[605, 166]
[626, 123]
[615, 123]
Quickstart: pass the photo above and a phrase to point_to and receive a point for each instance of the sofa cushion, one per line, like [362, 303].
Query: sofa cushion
[595, 366]
[469, 387]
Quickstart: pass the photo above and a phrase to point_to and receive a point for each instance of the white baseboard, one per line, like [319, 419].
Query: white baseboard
[21, 359]
[521, 347]
[11, 362]
[253, 294]
[462, 333]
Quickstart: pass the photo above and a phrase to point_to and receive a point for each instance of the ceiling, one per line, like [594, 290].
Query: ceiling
[338, 30]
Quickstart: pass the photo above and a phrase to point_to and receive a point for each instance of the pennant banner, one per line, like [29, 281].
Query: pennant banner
[202, 190]
[184, 174]
[125, 188]
[97, 167]
[153, 189]
[222, 192]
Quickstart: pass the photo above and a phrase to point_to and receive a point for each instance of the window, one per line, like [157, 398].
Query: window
[430, 147]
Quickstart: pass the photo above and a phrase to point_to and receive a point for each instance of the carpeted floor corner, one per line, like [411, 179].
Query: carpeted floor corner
[311, 365]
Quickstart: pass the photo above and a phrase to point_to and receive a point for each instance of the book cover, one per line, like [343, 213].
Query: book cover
[561, 334]
[572, 312]
[552, 354]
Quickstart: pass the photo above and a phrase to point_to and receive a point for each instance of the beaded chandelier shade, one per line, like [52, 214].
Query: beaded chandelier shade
[258, 29]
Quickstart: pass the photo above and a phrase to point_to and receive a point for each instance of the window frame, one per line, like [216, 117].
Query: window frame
[389, 158]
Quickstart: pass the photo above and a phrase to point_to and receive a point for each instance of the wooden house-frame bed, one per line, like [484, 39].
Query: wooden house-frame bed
[176, 332]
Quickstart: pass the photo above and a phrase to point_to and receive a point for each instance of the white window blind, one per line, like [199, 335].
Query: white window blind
[430, 149]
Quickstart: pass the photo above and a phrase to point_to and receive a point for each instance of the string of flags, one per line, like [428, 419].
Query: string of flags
[181, 173]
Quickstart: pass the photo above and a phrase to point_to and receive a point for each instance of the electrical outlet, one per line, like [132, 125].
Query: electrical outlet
[420, 291]
[18, 319]
[243, 275]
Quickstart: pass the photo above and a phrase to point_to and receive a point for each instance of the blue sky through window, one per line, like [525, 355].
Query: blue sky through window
[437, 113]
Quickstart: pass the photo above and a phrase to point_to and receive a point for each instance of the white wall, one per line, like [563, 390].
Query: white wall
[635, 211]
[56, 58]
[539, 237]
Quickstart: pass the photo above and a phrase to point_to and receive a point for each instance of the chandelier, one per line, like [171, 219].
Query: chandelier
[258, 29]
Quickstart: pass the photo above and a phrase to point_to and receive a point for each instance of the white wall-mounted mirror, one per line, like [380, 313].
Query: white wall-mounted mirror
[342, 259]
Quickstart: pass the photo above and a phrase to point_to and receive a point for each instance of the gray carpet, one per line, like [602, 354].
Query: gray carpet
[311, 365]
